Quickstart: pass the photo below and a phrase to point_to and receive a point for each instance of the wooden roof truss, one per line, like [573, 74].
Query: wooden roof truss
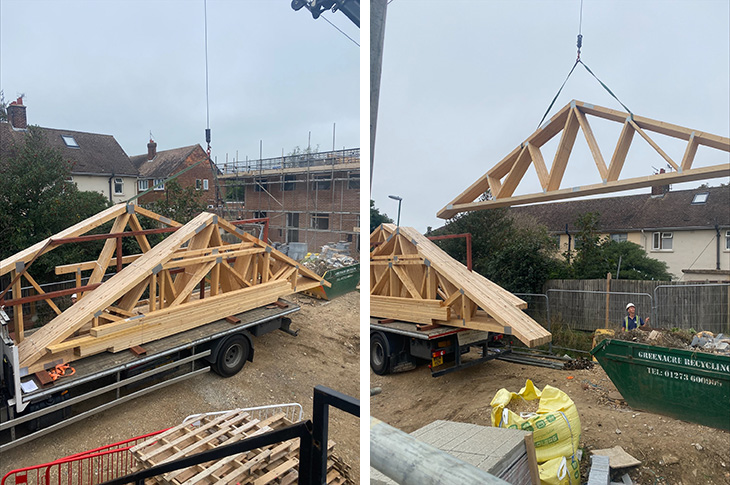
[192, 277]
[413, 280]
[504, 177]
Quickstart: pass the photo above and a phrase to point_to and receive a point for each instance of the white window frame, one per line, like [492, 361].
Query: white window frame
[118, 184]
[143, 184]
[659, 241]
[157, 181]
[619, 237]
[727, 240]
[70, 141]
[205, 184]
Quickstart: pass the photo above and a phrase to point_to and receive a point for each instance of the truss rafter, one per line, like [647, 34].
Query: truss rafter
[188, 279]
[413, 280]
[506, 175]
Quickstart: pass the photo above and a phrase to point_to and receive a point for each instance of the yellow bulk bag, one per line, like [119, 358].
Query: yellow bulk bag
[555, 427]
[560, 471]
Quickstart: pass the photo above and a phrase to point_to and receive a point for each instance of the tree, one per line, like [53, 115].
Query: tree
[180, 204]
[514, 252]
[595, 256]
[376, 218]
[37, 200]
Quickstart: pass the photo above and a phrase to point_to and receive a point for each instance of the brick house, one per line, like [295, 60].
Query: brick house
[154, 167]
[308, 198]
[99, 163]
[687, 229]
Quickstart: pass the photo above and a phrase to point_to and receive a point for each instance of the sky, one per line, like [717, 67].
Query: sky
[128, 68]
[466, 82]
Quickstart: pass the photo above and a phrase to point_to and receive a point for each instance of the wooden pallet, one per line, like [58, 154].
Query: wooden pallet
[413, 280]
[189, 279]
[274, 464]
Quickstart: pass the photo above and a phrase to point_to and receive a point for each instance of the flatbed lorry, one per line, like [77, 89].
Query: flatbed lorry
[397, 346]
[29, 410]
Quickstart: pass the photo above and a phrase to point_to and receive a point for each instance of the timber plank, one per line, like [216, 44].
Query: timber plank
[407, 309]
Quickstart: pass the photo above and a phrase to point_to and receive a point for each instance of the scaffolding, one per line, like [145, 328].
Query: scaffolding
[305, 196]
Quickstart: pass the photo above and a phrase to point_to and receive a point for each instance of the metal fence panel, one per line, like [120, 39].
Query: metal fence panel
[586, 310]
[693, 306]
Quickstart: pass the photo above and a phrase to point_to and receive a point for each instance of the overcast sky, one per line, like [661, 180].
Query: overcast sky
[126, 68]
[465, 82]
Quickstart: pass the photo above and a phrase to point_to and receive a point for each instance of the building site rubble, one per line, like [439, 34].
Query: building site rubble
[330, 257]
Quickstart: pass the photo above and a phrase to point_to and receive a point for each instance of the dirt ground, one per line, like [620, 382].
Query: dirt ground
[285, 369]
[671, 451]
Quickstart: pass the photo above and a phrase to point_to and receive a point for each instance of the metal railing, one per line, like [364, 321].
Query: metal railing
[336, 157]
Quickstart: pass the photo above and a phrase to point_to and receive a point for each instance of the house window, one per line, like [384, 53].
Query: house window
[259, 215]
[69, 141]
[289, 182]
[620, 237]
[292, 227]
[700, 198]
[143, 184]
[260, 185]
[118, 186]
[662, 241]
[198, 184]
[727, 241]
[321, 221]
[161, 183]
[322, 182]
[205, 184]
[353, 181]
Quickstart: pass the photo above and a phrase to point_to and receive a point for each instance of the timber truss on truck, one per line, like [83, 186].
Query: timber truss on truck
[192, 299]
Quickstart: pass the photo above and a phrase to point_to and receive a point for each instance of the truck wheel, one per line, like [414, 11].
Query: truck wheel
[379, 354]
[232, 355]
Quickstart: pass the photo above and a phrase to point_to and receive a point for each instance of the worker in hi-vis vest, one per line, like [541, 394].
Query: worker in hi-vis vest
[632, 321]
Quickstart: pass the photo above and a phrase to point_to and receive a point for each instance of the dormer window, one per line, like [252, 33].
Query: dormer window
[700, 198]
[69, 141]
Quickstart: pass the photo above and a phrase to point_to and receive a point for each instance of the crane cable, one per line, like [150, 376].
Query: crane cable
[213, 167]
[578, 60]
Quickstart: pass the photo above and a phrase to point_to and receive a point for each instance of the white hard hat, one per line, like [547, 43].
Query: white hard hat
[74, 295]
[629, 305]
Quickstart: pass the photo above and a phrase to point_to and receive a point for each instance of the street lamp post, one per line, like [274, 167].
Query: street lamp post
[399, 199]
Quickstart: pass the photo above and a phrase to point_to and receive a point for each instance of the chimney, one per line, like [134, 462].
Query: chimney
[16, 114]
[151, 150]
[660, 189]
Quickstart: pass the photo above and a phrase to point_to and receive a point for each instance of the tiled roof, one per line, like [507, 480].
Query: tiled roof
[673, 210]
[96, 154]
[165, 163]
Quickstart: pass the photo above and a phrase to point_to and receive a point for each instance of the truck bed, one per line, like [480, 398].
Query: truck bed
[108, 379]
[107, 363]
[409, 329]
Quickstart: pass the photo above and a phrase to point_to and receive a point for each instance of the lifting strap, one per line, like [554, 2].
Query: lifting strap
[579, 44]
